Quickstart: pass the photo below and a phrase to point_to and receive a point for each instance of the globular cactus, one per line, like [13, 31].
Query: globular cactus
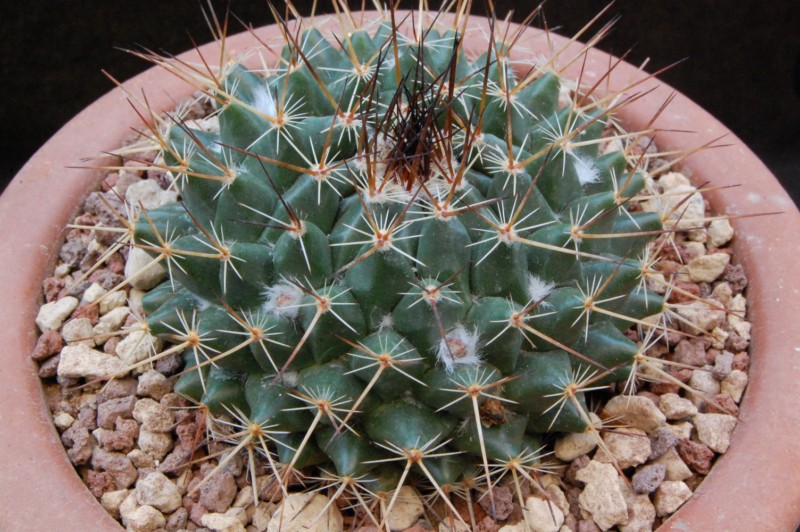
[391, 260]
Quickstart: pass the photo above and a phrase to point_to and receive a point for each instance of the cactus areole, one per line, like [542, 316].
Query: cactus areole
[391, 260]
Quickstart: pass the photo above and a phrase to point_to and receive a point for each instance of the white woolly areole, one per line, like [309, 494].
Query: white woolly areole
[264, 102]
[283, 298]
[538, 288]
[387, 322]
[458, 348]
[290, 379]
[586, 170]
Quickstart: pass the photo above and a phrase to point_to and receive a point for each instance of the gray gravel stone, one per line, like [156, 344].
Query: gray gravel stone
[648, 478]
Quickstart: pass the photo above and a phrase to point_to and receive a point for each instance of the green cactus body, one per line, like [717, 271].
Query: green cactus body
[379, 255]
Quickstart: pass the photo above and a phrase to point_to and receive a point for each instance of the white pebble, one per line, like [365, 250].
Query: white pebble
[641, 512]
[715, 430]
[220, 522]
[682, 430]
[137, 346]
[702, 315]
[734, 384]
[407, 509]
[145, 518]
[676, 407]
[301, 511]
[63, 420]
[156, 490]
[82, 361]
[736, 322]
[142, 271]
[156, 444]
[93, 293]
[707, 268]
[62, 270]
[78, 331]
[636, 411]
[146, 193]
[720, 232]
[575, 444]
[676, 467]
[543, 516]
[153, 384]
[153, 416]
[112, 301]
[670, 495]
[111, 501]
[52, 315]
[704, 383]
[629, 447]
[602, 497]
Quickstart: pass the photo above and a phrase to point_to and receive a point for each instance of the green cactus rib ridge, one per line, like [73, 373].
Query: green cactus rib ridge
[392, 259]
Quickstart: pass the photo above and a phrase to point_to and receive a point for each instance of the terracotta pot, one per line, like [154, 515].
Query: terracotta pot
[754, 486]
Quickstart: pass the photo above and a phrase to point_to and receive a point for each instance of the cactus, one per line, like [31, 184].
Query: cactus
[396, 260]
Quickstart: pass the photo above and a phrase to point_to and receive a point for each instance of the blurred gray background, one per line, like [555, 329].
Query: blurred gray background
[742, 59]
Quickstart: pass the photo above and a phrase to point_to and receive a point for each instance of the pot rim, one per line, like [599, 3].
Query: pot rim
[741, 491]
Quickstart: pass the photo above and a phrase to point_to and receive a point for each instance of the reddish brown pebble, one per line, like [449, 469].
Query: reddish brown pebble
[571, 522]
[196, 513]
[109, 411]
[741, 361]
[48, 345]
[503, 503]
[115, 263]
[722, 404]
[661, 388]
[734, 275]
[110, 180]
[669, 267]
[52, 286]
[487, 524]
[575, 466]
[685, 293]
[587, 525]
[105, 278]
[116, 389]
[87, 310]
[174, 460]
[736, 343]
[122, 438]
[110, 347]
[696, 455]
[49, 367]
[79, 443]
[690, 353]
[99, 482]
[218, 491]
[711, 356]
[87, 418]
